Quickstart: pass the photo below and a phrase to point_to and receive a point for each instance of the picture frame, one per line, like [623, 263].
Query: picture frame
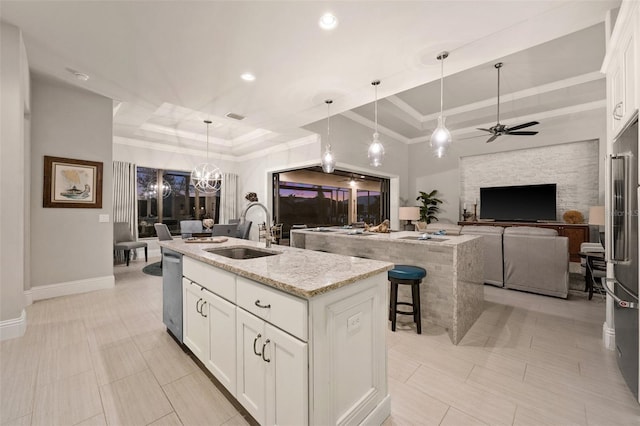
[71, 183]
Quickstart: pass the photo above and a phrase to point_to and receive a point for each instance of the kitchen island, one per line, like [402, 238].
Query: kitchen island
[452, 294]
[296, 336]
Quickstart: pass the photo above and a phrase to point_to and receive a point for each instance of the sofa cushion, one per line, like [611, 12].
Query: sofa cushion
[530, 230]
[479, 229]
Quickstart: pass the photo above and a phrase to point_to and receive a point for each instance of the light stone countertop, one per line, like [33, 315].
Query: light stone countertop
[397, 236]
[303, 273]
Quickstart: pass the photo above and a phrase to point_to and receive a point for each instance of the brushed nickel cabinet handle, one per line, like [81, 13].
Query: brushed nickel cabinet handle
[266, 342]
[254, 344]
[259, 305]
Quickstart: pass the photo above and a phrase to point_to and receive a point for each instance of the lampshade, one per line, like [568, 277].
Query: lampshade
[409, 213]
[596, 215]
[207, 178]
[328, 160]
[376, 150]
[440, 140]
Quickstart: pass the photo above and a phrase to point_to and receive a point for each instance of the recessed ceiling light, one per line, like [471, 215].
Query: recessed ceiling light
[328, 21]
[247, 76]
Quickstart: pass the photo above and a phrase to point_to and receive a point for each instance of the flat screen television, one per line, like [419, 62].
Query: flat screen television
[524, 203]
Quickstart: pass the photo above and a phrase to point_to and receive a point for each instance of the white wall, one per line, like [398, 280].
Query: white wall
[254, 173]
[69, 246]
[350, 143]
[428, 173]
[14, 178]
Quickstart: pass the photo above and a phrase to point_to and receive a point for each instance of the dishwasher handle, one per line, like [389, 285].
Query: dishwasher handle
[171, 259]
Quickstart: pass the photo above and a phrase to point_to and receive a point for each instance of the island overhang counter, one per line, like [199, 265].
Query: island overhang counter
[297, 337]
[452, 293]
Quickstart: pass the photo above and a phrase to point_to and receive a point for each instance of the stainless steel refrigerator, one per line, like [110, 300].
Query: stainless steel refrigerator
[622, 250]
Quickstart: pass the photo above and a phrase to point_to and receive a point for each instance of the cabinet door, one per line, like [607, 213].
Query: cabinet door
[287, 378]
[250, 367]
[577, 236]
[222, 340]
[195, 323]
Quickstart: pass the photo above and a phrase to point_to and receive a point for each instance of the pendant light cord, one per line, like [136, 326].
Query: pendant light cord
[207, 122]
[498, 116]
[328, 121]
[441, 84]
[376, 106]
[375, 84]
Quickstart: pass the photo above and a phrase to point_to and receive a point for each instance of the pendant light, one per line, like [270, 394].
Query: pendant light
[206, 177]
[441, 137]
[376, 150]
[328, 159]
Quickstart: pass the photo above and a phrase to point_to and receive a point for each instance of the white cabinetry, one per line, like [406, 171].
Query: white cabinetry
[195, 323]
[272, 372]
[620, 65]
[289, 360]
[209, 320]
[272, 364]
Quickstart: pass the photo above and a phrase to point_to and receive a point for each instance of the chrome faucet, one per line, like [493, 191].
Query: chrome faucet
[243, 215]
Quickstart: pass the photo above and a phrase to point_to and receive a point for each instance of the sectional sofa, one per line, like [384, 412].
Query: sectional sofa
[520, 257]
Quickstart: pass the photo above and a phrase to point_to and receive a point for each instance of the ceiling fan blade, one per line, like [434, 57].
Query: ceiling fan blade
[522, 126]
[486, 130]
[492, 138]
[524, 133]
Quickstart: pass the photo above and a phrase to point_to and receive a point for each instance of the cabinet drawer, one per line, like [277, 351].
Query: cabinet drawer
[214, 279]
[284, 311]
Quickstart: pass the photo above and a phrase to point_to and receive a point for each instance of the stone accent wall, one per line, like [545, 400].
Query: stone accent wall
[573, 167]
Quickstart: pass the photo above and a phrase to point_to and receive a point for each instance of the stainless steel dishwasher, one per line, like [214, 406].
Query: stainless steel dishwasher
[172, 292]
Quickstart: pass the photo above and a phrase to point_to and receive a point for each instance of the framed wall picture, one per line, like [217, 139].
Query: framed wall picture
[70, 183]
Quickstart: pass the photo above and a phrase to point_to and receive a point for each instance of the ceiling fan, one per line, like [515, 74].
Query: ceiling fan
[353, 179]
[501, 129]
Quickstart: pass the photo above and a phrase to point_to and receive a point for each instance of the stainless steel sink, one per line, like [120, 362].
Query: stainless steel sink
[242, 252]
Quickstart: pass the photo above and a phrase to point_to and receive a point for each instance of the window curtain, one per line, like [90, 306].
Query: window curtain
[125, 207]
[228, 197]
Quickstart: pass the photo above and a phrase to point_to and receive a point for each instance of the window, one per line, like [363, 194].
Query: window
[313, 205]
[313, 198]
[369, 206]
[180, 200]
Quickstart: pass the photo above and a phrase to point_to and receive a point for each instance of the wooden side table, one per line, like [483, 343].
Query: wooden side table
[594, 261]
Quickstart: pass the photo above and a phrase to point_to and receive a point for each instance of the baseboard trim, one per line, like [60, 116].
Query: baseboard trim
[67, 288]
[608, 337]
[15, 327]
[379, 413]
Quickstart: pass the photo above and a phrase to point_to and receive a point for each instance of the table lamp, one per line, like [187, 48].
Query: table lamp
[596, 218]
[409, 214]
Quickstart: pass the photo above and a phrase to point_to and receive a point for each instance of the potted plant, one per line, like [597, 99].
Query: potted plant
[429, 207]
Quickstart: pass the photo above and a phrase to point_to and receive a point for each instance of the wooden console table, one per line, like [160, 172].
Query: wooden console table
[577, 233]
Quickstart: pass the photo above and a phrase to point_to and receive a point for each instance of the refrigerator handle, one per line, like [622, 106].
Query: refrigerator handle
[612, 255]
[621, 303]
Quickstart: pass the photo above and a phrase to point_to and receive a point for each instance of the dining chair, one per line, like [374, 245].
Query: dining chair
[163, 233]
[243, 230]
[123, 240]
[188, 227]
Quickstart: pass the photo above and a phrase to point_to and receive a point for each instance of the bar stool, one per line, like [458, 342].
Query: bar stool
[407, 275]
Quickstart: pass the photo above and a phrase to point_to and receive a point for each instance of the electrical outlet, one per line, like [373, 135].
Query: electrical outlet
[354, 322]
[103, 218]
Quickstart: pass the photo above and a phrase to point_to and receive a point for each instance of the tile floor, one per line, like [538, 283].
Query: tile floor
[104, 358]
